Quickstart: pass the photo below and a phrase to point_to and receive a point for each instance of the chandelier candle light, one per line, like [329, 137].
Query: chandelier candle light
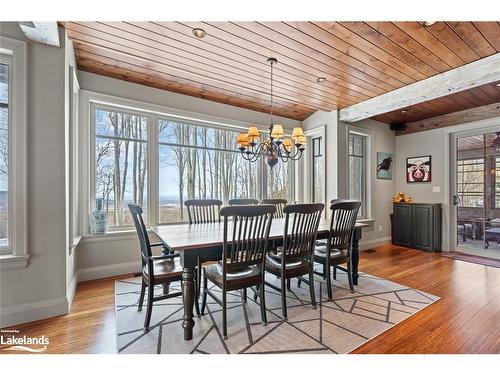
[275, 147]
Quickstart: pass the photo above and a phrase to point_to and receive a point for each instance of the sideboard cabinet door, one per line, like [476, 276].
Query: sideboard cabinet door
[402, 225]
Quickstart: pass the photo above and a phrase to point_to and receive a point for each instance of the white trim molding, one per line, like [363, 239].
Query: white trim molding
[17, 255]
[108, 270]
[28, 312]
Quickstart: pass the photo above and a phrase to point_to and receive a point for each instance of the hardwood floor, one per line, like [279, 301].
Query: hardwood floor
[465, 320]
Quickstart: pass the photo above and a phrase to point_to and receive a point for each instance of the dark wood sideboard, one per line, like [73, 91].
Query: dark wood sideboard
[417, 225]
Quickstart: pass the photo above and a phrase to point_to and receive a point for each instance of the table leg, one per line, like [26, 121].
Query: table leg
[355, 255]
[188, 301]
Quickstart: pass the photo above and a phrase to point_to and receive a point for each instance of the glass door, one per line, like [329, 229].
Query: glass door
[477, 194]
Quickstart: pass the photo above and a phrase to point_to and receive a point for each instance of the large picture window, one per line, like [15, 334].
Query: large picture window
[357, 170]
[136, 152]
[4, 155]
[200, 162]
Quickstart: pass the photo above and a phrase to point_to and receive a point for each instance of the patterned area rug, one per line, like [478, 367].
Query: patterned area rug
[337, 326]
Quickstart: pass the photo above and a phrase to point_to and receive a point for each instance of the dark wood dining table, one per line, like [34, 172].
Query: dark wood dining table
[204, 241]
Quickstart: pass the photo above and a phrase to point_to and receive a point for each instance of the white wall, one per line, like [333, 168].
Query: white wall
[39, 290]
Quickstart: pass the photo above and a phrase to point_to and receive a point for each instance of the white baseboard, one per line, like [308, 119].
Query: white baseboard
[100, 272]
[370, 244]
[70, 294]
[28, 312]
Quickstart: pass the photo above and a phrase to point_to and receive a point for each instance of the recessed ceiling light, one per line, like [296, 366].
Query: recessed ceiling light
[427, 23]
[498, 84]
[404, 110]
[320, 79]
[199, 33]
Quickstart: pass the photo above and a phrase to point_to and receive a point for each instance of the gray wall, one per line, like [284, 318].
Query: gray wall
[40, 290]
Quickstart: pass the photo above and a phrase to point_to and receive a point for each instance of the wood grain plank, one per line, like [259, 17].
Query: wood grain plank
[448, 37]
[162, 53]
[367, 32]
[291, 53]
[95, 52]
[405, 41]
[470, 34]
[491, 31]
[461, 117]
[336, 36]
[304, 33]
[135, 74]
[208, 74]
[426, 39]
[343, 33]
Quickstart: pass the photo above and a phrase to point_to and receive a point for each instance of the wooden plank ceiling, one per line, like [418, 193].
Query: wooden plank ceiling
[359, 60]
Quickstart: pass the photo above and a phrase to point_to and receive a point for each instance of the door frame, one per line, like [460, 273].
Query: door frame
[466, 130]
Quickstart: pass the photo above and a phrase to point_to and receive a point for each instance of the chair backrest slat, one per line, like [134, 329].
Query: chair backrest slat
[279, 204]
[142, 232]
[202, 211]
[245, 243]
[242, 201]
[301, 227]
[343, 222]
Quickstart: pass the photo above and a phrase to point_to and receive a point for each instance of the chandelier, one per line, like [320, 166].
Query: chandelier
[276, 146]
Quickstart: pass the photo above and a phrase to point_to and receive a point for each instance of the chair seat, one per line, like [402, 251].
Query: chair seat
[238, 278]
[166, 269]
[273, 265]
[336, 256]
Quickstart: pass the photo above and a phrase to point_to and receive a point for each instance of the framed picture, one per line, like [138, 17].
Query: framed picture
[384, 165]
[418, 169]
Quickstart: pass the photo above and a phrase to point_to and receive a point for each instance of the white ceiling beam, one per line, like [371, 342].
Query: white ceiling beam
[465, 77]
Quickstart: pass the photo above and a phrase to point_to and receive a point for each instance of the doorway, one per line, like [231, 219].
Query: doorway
[476, 193]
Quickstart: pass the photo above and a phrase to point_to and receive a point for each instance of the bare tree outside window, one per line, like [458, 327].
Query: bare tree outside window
[121, 163]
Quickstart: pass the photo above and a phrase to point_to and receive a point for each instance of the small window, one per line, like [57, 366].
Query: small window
[318, 181]
[357, 170]
[4, 156]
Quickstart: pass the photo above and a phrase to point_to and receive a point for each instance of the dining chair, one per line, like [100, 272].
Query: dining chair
[338, 248]
[242, 201]
[294, 258]
[278, 203]
[202, 211]
[156, 270]
[245, 242]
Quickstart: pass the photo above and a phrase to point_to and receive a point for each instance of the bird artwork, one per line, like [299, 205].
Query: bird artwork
[384, 165]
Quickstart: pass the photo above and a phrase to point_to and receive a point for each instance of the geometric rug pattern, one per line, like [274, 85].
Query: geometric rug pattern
[337, 326]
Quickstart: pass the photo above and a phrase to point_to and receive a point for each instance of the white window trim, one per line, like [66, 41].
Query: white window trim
[370, 138]
[90, 99]
[17, 255]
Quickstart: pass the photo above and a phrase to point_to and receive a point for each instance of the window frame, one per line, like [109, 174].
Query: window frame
[89, 100]
[16, 255]
[308, 165]
[366, 210]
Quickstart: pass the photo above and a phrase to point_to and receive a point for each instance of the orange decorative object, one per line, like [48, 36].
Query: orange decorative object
[401, 198]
